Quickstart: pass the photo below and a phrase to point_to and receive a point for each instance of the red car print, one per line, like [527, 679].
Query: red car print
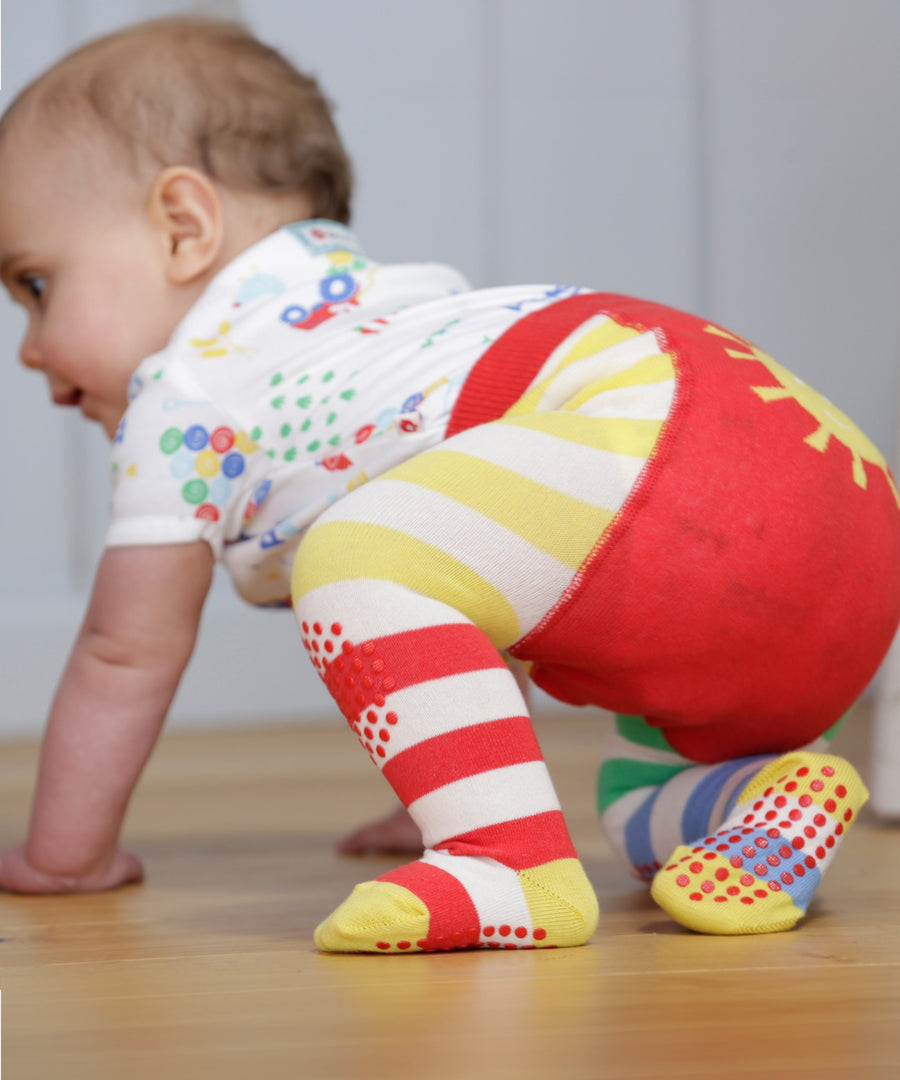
[339, 293]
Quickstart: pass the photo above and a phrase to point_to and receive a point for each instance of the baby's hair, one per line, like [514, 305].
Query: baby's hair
[204, 93]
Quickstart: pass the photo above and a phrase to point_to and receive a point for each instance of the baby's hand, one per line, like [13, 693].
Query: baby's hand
[19, 876]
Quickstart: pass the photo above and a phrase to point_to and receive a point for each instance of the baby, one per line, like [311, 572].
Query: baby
[647, 511]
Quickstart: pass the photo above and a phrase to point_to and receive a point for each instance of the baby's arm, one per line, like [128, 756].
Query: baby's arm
[133, 647]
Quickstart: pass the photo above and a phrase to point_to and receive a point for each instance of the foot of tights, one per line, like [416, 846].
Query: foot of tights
[445, 902]
[757, 874]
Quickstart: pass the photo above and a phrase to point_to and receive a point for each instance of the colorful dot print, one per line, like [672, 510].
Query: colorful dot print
[207, 462]
[170, 441]
[301, 414]
[196, 437]
[194, 491]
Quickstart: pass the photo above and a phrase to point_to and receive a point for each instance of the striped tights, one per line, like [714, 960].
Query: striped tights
[409, 590]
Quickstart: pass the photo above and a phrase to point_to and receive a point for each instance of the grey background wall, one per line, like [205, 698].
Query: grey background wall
[737, 159]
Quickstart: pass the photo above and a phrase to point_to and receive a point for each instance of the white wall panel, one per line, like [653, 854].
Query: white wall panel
[596, 146]
[406, 77]
[804, 98]
[36, 447]
[733, 158]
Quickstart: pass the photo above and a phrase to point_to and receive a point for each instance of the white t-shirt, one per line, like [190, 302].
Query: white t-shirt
[304, 370]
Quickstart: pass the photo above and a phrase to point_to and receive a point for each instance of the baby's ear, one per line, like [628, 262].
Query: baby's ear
[185, 206]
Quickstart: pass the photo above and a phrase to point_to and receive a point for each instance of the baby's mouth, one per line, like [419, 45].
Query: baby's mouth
[68, 397]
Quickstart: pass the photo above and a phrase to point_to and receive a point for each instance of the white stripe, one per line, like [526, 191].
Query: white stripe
[369, 609]
[618, 747]
[652, 401]
[597, 477]
[668, 811]
[489, 798]
[493, 888]
[819, 745]
[599, 365]
[448, 704]
[617, 816]
[529, 579]
[737, 780]
[563, 349]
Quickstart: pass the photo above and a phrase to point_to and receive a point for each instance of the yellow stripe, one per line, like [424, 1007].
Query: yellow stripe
[339, 551]
[600, 337]
[559, 525]
[653, 370]
[632, 438]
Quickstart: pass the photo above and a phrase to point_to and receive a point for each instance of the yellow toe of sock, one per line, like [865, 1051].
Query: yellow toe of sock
[377, 916]
[759, 871]
[708, 895]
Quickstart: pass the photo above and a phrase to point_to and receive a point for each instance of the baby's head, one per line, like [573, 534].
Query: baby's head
[131, 172]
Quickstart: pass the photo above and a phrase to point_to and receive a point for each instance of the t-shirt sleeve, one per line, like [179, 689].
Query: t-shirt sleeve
[180, 468]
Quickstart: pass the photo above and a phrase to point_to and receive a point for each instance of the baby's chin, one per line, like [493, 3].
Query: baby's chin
[107, 416]
[110, 425]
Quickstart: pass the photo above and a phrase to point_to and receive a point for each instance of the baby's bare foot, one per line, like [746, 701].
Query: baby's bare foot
[396, 833]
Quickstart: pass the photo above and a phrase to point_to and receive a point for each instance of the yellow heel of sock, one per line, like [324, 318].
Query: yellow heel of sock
[562, 902]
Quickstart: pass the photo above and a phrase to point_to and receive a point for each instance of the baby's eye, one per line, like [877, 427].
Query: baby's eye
[34, 284]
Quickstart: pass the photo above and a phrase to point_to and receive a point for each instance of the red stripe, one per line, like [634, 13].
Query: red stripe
[365, 674]
[506, 370]
[434, 652]
[454, 755]
[454, 922]
[520, 844]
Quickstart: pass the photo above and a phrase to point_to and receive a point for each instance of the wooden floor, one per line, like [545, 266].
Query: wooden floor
[209, 970]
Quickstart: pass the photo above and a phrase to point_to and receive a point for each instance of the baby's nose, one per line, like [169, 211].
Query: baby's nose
[30, 355]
